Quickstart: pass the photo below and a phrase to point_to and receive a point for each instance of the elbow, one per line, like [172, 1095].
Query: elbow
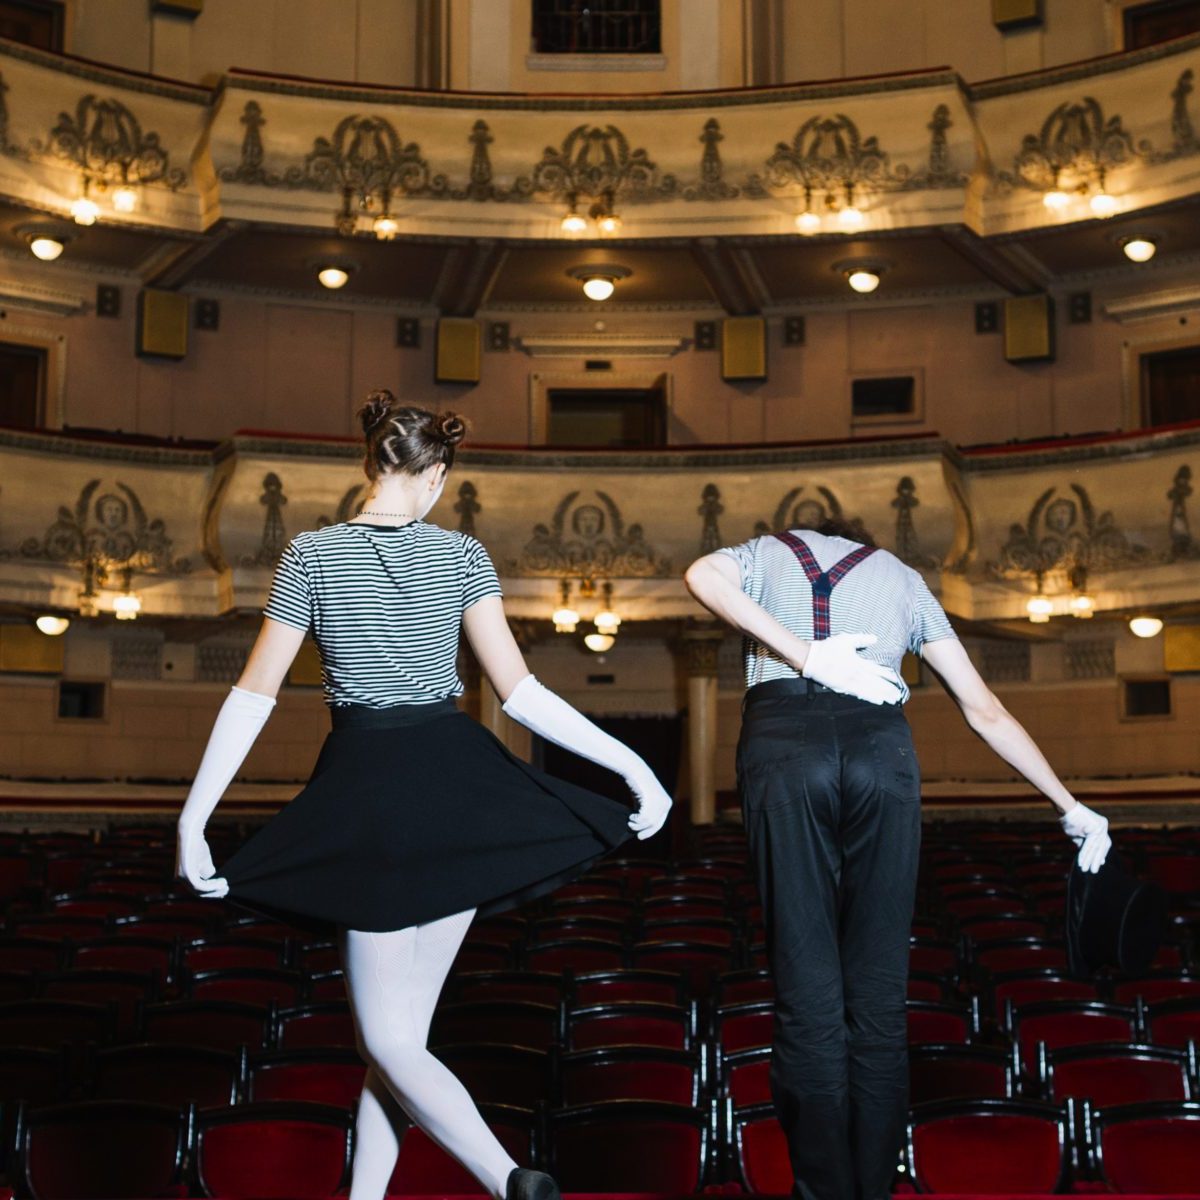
[986, 714]
[694, 578]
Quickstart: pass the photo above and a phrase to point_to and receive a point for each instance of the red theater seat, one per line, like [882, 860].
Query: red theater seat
[574, 954]
[514, 1075]
[744, 1026]
[221, 1024]
[1067, 1023]
[746, 1076]
[605, 987]
[942, 1022]
[322, 1074]
[632, 1146]
[320, 1023]
[274, 1150]
[988, 1147]
[249, 985]
[102, 1148]
[1174, 1022]
[630, 1073]
[156, 956]
[224, 952]
[503, 1022]
[960, 1072]
[1156, 987]
[1116, 1073]
[168, 1074]
[542, 987]
[760, 1150]
[1034, 986]
[631, 1023]
[1148, 1148]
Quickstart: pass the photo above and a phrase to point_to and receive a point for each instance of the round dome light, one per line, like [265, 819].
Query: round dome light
[385, 227]
[1139, 249]
[808, 222]
[1103, 205]
[850, 217]
[1056, 200]
[125, 198]
[862, 280]
[598, 643]
[46, 248]
[574, 224]
[333, 277]
[599, 287]
[52, 626]
[85, 211]
[1145, 627]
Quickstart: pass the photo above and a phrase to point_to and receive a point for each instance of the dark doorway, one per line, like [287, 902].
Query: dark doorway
[22, 385]
[611, 417]
[33, 23]
[1171, 386]
[1160, 21]
[597, 26]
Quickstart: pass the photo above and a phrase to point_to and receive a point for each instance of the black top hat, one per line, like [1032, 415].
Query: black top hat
[1113, 919]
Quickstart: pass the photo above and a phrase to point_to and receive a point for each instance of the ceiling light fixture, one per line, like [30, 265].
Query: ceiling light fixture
[85, 210]
[124, 198]
[1082, 604]
[385, 227]
[598, 643]
[126, 606]
[1039, 608]
[1145, 627]
[808, 222]
[332, 272]
[1138, 248]
[45, 248]
[573, 223]
[333, 277]
[599, 279]
[52, 626]
[1056, 199]
[606, 620]
[45, 239]
[1103, 204]
[565, 618]
[862, 274]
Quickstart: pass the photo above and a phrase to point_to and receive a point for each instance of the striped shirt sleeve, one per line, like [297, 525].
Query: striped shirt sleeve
[743, 555]
[479, 578]
[929, 620]
[290, 598]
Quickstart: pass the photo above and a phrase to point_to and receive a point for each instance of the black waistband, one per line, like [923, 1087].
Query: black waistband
[778, 689]
[363, 716]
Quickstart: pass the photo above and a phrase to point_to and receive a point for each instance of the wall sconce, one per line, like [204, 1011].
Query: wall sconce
[85, 210]
[850, 216]
[1081, 604]
[1039, 606]
[606, 620]
[608, 222]
[128, 603]
[565, 618]
[573, 224]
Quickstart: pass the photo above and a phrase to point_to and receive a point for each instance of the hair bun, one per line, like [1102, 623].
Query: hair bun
[451, 428]
[378, 407]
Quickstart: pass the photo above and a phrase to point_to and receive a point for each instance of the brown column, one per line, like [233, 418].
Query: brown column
[701, 644]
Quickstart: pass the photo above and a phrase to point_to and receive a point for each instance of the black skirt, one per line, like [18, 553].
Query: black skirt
[412, 813]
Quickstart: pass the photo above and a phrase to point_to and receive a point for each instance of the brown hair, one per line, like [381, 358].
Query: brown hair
[404, 439]
[844, 527]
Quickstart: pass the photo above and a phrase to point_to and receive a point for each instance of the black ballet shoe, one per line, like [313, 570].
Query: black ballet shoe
[524, 1184]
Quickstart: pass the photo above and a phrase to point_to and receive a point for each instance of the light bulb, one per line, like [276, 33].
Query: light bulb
[565, 619]
[1139, 249]
[1145, 627]
[125, 198]
[808, 222]
[126, 606]
[1103, 205]
[863, 281]
[574, 224]
[609, 224]
[85, 211]
[598, 287]
[333, 277]
[599, 642]
[1083, 605]
[606, 621]
[850, 217]
[1039, 609]
[1056, 200]
[46, 248]
[385, 227]
[52, 626]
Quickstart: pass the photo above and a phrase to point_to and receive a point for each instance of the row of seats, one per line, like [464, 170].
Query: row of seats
[266, 1149]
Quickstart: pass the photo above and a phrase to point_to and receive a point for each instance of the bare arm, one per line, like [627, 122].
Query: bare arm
[492, 641]
[273, 653]
[716, 582]
[989, 718]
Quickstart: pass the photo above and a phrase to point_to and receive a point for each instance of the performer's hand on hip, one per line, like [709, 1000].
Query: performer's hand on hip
[1089, 831]
[835, 662]
[654, 805]
[193, 862]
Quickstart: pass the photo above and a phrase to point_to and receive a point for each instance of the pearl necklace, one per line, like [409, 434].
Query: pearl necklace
[371, 512]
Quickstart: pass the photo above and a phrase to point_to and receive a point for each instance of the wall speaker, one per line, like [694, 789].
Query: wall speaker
[108, 300]
[208, 315]
[1029, 329]
[457, 356]
[704, 335]
[1016, 14]
[162, 324]
[793, 331]
[743, 348]
[408, 332]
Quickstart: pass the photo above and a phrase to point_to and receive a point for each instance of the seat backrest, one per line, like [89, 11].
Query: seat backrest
[959, 1072]
[630, 1073]
[324, 1074]
[760, 1150]
[1115, 1073]
[1148, 1148]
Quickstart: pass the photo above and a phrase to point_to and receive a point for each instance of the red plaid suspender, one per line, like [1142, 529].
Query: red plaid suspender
[822, 581]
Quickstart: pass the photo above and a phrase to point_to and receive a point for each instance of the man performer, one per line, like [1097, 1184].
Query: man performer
[830, 795]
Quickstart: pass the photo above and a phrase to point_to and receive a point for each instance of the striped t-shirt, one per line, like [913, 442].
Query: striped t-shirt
[879, 595]
[384, 605]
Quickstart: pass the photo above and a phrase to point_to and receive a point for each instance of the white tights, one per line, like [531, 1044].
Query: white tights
[393, 980]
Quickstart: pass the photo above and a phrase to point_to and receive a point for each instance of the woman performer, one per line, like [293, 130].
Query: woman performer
[415, 817]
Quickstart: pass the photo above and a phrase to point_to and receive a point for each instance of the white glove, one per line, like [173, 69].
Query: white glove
[539, 709]
[1089, 831]
[835, 662]
[238, 723]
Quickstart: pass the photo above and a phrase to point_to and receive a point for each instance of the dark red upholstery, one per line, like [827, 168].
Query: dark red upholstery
[939, 1022]
[746, 1076]
[542, 987]
[988, 1147]
[323, 1074]
[630, 1023]
[1041, 983]
[1149, 1148]
[424, 1168]
[950, 1072]
[1164, 985]
[1174, 1022]
[1115, 1074]
[155, 956]
[514, 1075]
[629, 1073]
[737, 987]
[321, 1023]
[575, 954]
[630, 1145]
[103, 985]
[168, 1074]
[102, 1148]
[53, 1023]
[1068, 1023]
[220, 953]
[698, 964]
[606, 987]
[1021, 954]
[290, 1150]
[249, 985]
[744, 1026]
[219, 1023]
[761, 1151]
[32, 953]
[505, 1022]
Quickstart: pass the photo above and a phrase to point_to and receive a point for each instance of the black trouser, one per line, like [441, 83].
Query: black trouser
[830, 794]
